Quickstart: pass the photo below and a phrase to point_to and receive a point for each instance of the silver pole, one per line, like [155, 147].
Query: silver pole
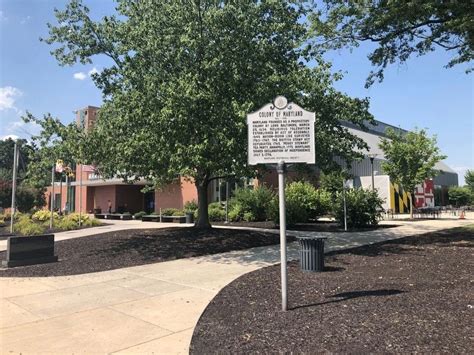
[281, 198]
[66, 210]
[227, 201]
[52, 198]
[60, 192]
[372, 165]
[80, 197]
[15, 167]
[345, 206]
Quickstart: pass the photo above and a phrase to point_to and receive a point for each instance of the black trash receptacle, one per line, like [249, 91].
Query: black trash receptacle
[311, 253]
[189, 217]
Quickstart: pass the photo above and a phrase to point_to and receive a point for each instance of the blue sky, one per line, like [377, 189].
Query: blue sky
[420, 93]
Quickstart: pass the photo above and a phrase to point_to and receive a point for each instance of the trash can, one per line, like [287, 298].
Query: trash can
[189, 217]
[311, 253]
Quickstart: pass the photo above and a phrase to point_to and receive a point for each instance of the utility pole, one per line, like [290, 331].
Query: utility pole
[16, 153]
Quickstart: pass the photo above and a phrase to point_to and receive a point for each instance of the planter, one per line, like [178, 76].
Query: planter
[30, 250]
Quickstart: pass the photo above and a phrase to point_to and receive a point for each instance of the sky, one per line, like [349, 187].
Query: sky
[418, 94]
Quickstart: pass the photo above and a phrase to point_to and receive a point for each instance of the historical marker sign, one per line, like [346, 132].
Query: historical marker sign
[281, 132]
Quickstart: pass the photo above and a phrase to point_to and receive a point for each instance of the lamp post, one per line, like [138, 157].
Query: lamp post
[372, 157]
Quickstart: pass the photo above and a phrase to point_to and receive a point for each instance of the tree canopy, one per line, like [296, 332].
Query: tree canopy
[182, 78]
[398, 28]
[410, 158]
[469, 179]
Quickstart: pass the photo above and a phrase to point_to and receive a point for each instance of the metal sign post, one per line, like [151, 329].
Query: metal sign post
[281, 169]
[281, 133]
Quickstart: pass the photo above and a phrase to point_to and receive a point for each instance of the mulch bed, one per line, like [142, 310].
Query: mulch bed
[319, 226]
[403, 296]
[115, 250]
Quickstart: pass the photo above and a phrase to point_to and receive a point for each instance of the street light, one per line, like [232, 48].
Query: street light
[372, 157]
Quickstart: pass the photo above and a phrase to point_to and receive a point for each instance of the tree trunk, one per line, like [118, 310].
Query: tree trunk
[411, 205]
[203, 213]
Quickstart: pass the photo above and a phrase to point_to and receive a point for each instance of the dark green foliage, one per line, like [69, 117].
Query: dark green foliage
[469, 179]
[399, 28]
[139, 215]
[190, 206]
[250, 204]
[216, 212]
[332, 182]
[460, 196]
[364, 208]
[172, 212]
[303, 203]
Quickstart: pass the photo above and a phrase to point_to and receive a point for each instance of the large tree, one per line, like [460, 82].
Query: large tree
[410, 158]
[398, 28]
[182, 77]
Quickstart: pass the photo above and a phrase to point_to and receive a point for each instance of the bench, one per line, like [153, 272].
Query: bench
[122, 216]
[150, 218]
[170, 219]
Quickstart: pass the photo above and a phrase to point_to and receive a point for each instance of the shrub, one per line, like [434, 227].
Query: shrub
[216, 212]
[43, 215]
[92, 222]
[66, 224]
[139, 215]
[250, 204]
[191, 206]
[26, 226]
[172, 212]
[303, 202]
[364, 208]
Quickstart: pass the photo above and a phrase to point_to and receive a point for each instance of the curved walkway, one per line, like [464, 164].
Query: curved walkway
[143, 309]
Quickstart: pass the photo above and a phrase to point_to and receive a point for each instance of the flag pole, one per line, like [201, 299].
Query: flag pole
[52, 197]
[80, 197]
[15, 167]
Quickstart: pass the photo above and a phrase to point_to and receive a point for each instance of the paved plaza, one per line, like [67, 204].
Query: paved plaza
[144, 309]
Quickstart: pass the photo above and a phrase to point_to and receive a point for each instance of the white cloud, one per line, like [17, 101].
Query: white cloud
[12, 136]
[8, 96]
[2, 16]
[25, 20]
[80, 76]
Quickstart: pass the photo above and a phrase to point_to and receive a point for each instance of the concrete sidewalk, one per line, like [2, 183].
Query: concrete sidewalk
[145, 309]
[109, 226]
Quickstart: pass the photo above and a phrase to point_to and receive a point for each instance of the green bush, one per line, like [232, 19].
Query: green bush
[250, 204]
[172, 212]
[191, 206]
[364, 208]
[66, 224]
[26, 226]
[43, 215]
[216, 212]
[303, 203]
[93, 222]
[139, 215]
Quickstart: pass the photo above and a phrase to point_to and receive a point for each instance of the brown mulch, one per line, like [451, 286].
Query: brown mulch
[407, 295]
[319, 226]
[120, 249]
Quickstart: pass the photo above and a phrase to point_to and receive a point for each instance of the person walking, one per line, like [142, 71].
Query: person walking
[109, 204]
